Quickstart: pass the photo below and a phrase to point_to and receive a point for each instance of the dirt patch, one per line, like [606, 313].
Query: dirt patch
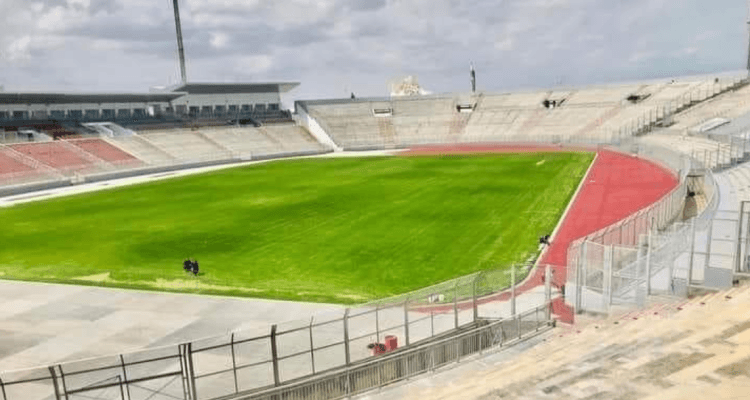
[741, 367]
[352, 296]
[94, 278]
[196, 284]
[669, 364]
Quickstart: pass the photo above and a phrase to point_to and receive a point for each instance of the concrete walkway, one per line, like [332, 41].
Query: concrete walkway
[44, 324]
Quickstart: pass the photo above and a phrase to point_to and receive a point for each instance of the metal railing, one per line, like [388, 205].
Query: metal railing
[401, 365]
[285, 353]
[647, 253]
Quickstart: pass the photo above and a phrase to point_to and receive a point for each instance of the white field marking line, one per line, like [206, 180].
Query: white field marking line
[567, 208]
[134, 180]
[562, 219]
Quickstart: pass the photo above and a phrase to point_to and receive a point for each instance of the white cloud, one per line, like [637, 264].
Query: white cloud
[328, 44]
[219, 40]
[251, 65]
[504, 44]
[19, 49]
[640, 56]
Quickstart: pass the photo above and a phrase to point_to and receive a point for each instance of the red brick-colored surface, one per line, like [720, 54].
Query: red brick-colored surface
[616, 186]
[103, 150]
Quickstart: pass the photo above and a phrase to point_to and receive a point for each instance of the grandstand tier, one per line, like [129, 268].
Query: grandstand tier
[10, 164]
[53, 154]
[594, 111]
[691, 349]
[103, 150]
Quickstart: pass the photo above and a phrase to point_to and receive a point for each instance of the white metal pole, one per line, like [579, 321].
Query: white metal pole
[648, 260]
[547, 291]
[513, 290]
[692, 256]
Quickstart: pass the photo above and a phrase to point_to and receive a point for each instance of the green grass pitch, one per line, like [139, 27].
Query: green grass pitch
[342, 230]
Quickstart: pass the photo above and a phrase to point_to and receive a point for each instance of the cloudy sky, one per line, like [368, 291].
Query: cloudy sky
[334, 47]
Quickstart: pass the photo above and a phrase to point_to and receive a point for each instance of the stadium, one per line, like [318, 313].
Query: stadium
[584, 242]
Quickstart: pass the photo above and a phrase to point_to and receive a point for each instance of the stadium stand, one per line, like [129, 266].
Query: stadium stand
[105, 151]
[353, 125]
[101, 129]
[10, 164]
[242, 141]
[715, 153]
[292, 138]
[599, 110]
[263, 141]
[16, 168]
[730, 105]
[739, 177]
[56, 131]
[693, 349]
[422, 120]
[141, 148]
[186, 145]
[55, 154]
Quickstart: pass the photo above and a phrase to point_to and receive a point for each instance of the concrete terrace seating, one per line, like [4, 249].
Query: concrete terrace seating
[244, 141]
[293, 138]
[10, 164]
[609, 95]
[186, 145]
[142, 149]
[424, 120]
[105, 151]
[662, 96]
[567, 120]
[501, 115]
[739, 177]
[56, 155]
[17, 169]
[692, 349]
[588, 110]
[713, 152]
[352, 125]
[727, 105]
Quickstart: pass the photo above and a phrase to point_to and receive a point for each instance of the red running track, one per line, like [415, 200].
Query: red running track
[616, 186]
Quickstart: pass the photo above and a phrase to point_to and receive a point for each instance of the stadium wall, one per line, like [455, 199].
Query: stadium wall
[312, 126]
[34, 187]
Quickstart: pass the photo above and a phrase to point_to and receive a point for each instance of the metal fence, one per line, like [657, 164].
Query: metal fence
[279, 355]
[649, 253]
[728, 151]
[391, 368]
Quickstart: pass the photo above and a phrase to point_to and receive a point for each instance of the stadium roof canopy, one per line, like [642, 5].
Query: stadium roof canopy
[230, 88]
[164, 95]
[71, 98]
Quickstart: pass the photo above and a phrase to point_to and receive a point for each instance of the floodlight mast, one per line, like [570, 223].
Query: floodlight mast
[473, 75]
[748, 42]
[180, 47]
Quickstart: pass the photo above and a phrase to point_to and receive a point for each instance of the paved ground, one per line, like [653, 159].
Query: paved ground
[43, 324]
